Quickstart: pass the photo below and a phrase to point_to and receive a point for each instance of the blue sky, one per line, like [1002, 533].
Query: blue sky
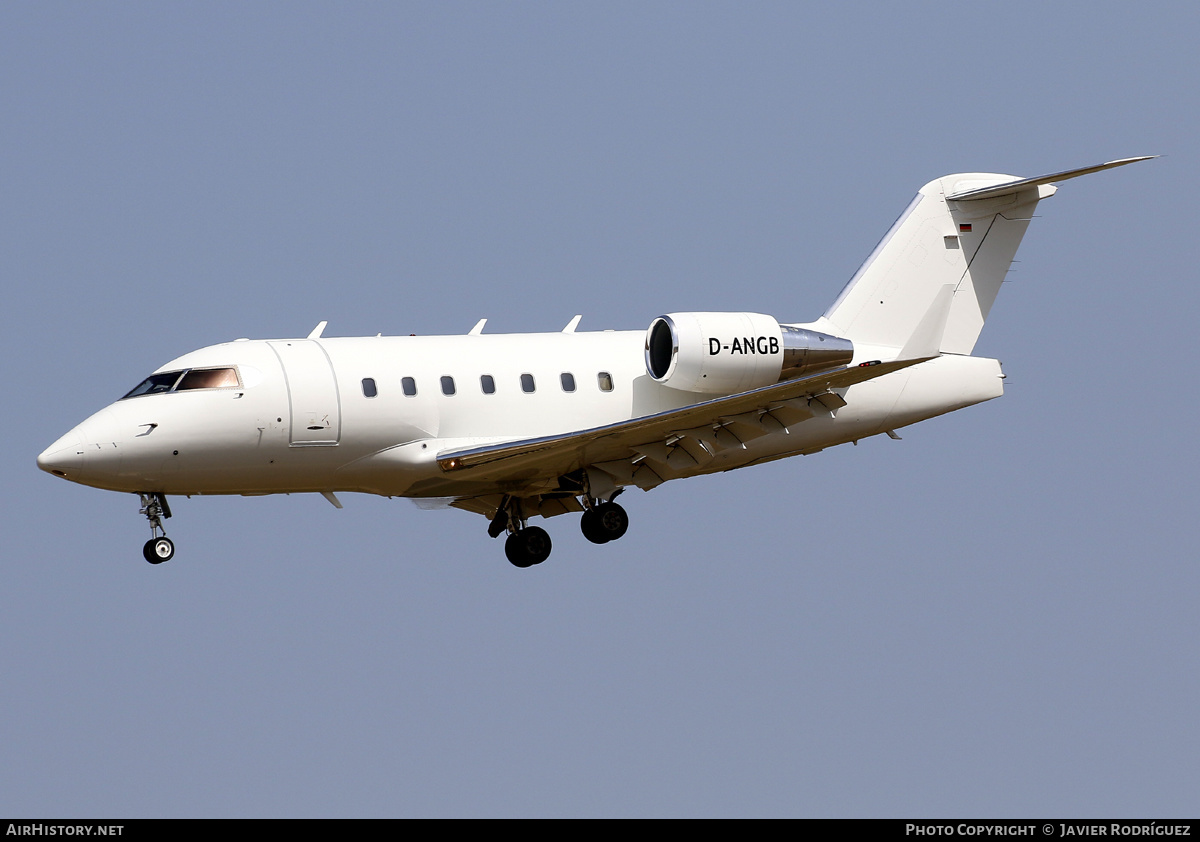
[993, 617]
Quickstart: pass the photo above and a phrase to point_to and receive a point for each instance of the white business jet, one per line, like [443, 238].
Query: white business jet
[519, 425]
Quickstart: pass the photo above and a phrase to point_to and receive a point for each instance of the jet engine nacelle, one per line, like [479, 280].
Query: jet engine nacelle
[725, 353]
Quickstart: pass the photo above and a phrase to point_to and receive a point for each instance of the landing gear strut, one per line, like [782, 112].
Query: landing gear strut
[159, 548]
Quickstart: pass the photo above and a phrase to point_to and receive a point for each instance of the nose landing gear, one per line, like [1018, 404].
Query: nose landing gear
[159, 548]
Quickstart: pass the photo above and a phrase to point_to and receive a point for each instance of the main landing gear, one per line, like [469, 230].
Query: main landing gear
[525, 545]
[159, 548]
[604, 522]
[529, 545]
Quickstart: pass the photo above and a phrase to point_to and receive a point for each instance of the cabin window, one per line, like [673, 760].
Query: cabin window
[568, 381]
[369, 389]
[527, 383]
[409, 386]
[448, 386]
[487, 384]
[604, 379]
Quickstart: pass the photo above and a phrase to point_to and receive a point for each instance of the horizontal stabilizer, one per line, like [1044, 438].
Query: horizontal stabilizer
[1009, 187]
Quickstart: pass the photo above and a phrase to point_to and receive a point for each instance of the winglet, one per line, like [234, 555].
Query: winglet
[317, 331]
[1024, 183]
[478, 329]
[571, 325]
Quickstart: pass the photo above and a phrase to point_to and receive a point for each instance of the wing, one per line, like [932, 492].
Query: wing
[640, 451]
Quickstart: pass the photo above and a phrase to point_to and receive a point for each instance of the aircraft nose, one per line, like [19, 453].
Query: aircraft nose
[65, 457]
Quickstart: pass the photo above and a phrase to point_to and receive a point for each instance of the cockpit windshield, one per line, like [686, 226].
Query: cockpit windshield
[154, 384]
[186, 380]
[207, 378]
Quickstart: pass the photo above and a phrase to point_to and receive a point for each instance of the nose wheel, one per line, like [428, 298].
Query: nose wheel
[159, 548]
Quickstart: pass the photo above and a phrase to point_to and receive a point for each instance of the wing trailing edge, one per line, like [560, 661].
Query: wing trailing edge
[691, 433]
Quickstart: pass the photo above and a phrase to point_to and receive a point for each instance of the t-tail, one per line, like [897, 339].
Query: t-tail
[928, 286]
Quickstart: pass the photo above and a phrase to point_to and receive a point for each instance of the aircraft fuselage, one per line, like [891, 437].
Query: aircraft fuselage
[333, 414]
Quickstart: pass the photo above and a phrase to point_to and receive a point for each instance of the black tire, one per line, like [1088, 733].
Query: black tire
[591, 527]
[612, 520]
[158, 550]
[528, 547]
[537, 544]
[514, 550]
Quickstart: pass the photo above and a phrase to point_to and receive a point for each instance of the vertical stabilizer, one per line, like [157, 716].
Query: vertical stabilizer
[962, 232]
[898, 295]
